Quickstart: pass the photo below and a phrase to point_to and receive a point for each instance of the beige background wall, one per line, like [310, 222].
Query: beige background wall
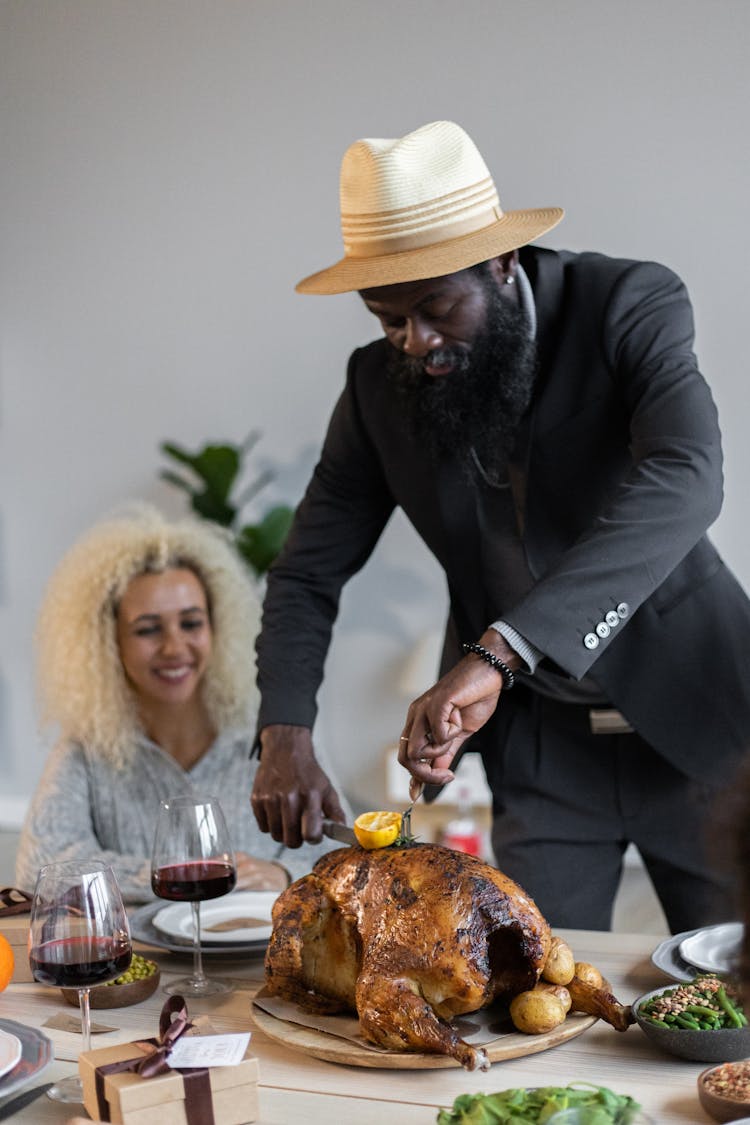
[169, 169]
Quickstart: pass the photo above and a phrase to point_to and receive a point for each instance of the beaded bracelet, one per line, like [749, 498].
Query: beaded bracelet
[489, 657]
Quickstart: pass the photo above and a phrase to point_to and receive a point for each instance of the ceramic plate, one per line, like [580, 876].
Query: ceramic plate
[10, 1051]
[715, 948]
[36, 1055]
[143, 929]
[235, 919]
[667, 957]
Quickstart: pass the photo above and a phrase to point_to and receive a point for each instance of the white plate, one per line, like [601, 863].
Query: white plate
[715, 948]
[177, 919]
[10, 1051]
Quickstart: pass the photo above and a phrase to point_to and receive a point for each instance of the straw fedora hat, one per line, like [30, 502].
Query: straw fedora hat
[420, 206]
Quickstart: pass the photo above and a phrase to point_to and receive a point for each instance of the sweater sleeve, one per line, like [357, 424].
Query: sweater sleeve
[59, 826]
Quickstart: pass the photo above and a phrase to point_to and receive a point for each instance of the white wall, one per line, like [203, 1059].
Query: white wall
[169, 170]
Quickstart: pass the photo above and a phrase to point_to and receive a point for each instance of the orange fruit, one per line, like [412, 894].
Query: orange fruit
[7, 962]
[377, 829]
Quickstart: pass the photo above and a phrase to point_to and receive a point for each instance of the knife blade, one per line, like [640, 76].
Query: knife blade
[24, 1099]
[341, 832]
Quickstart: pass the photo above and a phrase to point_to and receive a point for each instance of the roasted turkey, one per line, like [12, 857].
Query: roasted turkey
[407, 937]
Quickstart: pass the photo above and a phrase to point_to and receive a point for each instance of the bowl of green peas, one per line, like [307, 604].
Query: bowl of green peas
[137, 983]
[702, 1020]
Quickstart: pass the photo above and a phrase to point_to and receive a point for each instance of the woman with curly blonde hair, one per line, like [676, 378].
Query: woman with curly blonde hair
[145, 666]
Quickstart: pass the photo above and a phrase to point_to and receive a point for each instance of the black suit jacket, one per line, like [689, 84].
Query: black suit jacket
[623, 479]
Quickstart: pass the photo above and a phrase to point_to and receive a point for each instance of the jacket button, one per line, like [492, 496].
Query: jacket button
[612, 619]
[623, 610]
[591, 640]
[602, 630]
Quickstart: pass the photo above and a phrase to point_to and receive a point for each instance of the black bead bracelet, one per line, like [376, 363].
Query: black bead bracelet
[489, 657]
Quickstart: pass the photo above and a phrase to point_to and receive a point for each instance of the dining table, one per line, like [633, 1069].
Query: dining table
[298, 1087]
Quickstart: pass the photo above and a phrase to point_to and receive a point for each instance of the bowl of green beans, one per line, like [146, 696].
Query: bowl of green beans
[137, 983]
[702, 1020]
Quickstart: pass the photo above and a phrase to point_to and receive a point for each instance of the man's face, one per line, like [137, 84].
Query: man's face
[462, 360]
[435, 322]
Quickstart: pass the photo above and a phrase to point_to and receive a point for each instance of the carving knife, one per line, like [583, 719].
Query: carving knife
[341, 832]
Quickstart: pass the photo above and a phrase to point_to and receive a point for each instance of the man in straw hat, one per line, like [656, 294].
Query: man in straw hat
[540, 418]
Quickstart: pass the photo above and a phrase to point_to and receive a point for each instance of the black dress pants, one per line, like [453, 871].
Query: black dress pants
[567, 802]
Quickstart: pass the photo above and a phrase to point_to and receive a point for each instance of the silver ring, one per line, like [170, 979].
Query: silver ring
[403, 738]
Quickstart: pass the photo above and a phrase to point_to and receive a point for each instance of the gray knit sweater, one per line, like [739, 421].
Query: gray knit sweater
[86, 808]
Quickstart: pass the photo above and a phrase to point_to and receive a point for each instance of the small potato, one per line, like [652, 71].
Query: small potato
[560, 966]
[558, 990]
[588, 973]
[536, 1011]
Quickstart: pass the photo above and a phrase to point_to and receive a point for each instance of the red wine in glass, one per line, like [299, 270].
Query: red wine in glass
[79, 937]
[79, 962]
[192, 861]
[194, 882]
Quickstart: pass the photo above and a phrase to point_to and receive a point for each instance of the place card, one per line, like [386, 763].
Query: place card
[64, 1022]
[208, 1050]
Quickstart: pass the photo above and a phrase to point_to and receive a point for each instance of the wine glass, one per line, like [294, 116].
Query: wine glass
[79, 937]
[192, 861]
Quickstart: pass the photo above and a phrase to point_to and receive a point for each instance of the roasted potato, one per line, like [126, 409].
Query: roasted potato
[560, 966]
[588, 973]
[558, 990]
[536, 1011]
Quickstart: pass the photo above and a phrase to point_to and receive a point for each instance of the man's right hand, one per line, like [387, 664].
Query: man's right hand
[292, 795]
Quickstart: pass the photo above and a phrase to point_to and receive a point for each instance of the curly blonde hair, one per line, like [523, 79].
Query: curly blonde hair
[80, 679]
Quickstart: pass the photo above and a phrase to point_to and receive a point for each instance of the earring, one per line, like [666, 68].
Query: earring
[510, 280]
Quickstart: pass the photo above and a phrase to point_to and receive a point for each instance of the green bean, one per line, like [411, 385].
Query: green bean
[728, 1007]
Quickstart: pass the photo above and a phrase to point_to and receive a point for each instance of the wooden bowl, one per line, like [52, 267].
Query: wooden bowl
[718, 1106]
[117, 995]
[723, 1045]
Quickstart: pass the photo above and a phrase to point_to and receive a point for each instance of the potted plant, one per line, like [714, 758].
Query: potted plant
[214, 472]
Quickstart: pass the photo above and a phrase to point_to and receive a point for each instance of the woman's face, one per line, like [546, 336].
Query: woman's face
[164, 635]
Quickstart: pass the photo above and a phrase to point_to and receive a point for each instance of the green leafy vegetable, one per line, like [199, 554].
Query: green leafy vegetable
[535, 1107]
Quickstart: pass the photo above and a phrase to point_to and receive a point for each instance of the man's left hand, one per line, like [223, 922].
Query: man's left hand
[441, 720]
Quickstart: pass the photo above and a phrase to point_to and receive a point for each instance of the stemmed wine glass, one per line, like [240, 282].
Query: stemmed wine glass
[192, 861]
[79, 937]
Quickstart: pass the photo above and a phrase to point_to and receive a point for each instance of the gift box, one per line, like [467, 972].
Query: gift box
[115, 1090]
[15, 912]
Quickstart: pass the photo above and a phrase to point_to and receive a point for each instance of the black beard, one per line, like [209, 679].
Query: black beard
[474, 411]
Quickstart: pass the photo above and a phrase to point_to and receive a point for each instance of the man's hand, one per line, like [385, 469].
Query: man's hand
[455, 707]
[292, 795]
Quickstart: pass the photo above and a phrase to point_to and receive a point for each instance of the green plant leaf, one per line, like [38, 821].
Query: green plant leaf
[177, 481]
[212, 507]
[260, 543]
[216, 465]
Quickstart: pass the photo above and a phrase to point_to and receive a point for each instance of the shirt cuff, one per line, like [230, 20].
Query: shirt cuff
[525, 649]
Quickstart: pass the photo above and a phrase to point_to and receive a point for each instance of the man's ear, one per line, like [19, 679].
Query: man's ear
[503, 267]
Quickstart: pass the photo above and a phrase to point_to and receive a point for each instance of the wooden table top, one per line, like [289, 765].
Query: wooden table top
[297, 1088]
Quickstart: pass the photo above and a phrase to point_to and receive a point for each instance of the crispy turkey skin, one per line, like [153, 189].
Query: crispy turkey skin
[407, 938]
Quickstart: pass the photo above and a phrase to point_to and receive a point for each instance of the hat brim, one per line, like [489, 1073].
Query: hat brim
[512, 230]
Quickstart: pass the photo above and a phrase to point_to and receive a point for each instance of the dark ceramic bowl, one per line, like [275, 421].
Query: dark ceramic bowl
[724, 1045]
[719, 1107]
[117, 995]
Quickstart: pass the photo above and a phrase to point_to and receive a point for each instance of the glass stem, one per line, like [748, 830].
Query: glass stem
[199, 977]
[83, 1001]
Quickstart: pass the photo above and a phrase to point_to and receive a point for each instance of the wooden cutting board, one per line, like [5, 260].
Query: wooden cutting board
[330, 1048]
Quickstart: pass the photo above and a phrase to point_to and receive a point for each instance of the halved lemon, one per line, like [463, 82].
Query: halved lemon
[377, 829]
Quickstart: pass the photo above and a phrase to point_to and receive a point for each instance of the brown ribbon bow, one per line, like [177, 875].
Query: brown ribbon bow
[13, 901]
[173, 1023]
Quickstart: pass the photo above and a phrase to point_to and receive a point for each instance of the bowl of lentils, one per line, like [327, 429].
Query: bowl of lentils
[702, 1020]
[137, 983]
[724, 1091]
